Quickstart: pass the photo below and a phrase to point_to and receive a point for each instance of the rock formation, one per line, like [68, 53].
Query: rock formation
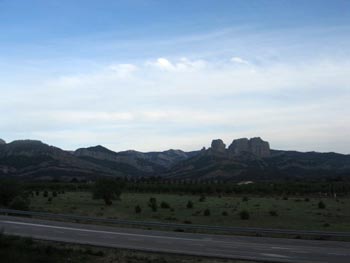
[2, 142]
[259, 147]
[218, 146]
[255, 146]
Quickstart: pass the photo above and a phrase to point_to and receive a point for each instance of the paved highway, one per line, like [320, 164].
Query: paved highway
[234, 247]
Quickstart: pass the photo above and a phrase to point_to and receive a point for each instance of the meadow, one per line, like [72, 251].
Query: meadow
[308, 213]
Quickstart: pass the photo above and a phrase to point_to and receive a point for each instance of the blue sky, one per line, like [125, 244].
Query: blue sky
[152, 75]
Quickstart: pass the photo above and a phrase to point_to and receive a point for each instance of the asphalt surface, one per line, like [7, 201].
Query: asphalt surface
[221, 246]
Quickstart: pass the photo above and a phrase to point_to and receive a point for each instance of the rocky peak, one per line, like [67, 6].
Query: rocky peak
[239, 146]
[259, 147]
[2, 142]
[255, 146]
[218, 146]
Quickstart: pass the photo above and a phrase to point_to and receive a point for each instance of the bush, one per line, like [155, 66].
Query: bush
[245, 199]
[321, 205]
[307, 199]
[138, 209]
[164, 205]
[9, 189]
[37, 193]
[244, 215]
[45, 194]
[202, 198]
[20, 203]
[224, 213]
[207, 212]
[107, 189]
[273, 213]
[153, 204]
[54, 194]
[189, 205]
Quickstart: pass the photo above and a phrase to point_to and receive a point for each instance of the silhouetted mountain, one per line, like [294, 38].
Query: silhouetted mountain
[244, 159]
[29, 159]
[252, 159]
[133, 163]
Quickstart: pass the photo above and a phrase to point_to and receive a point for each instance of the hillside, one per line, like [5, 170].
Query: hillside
[243, 159]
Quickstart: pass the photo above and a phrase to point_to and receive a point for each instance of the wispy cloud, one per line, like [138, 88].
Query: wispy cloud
[185, 103]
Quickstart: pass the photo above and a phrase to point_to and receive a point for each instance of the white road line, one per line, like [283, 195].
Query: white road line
[274, 255]
[107, 232]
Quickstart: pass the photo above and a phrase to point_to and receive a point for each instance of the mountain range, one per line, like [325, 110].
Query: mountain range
[243, 159]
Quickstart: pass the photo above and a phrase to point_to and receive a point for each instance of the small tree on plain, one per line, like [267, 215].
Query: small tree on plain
[138, 209]
[321, 205]
[244, 215]
[108, 190]
[189, 204]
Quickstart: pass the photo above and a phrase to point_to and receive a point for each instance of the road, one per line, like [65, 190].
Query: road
[233, 247]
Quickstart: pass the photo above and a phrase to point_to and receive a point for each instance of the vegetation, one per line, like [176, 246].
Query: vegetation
[26, 250]
[293, 213]
[244, 215]
[321, 205]
[12, 195]
[107, 189]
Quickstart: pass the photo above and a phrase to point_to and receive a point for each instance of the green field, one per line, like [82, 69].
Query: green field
[274, 212]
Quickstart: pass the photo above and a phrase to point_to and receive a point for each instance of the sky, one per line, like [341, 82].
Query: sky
[151, 75]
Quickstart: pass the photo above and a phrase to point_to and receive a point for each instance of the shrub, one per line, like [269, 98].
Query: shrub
[164, 205]
[49, 199]
[202, 198]
[245, 199]
[244, 215]
[321, 205]
[207, 212]
[153, 204]
[189, 205]
[54, 194]
[307, 199]
[45, 194]
[224, 213]
[37, 193]
[138, 209]
[20, 203]
[273, 213]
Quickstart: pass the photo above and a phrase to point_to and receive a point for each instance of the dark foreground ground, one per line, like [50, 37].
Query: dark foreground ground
[27, 250]
[215, 246]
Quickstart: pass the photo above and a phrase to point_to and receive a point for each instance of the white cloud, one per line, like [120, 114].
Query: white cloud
[181, 65]
[239, 60]
[123, 70]
[297, 106]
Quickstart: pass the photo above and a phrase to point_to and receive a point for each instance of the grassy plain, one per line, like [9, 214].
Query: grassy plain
[274, 212]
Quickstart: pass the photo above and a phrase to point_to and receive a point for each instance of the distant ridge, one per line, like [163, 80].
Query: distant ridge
[243, 159]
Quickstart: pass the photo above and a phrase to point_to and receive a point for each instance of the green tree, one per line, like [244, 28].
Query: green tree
[9, 189]
[20, 203]
[321, 205]
[138, 209]
[244, 215]
[207, 212]
[153, 204]
[108, 190]
[189, 204]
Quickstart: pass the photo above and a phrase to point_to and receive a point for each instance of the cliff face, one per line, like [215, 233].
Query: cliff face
[255, 146]
[2, 142]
